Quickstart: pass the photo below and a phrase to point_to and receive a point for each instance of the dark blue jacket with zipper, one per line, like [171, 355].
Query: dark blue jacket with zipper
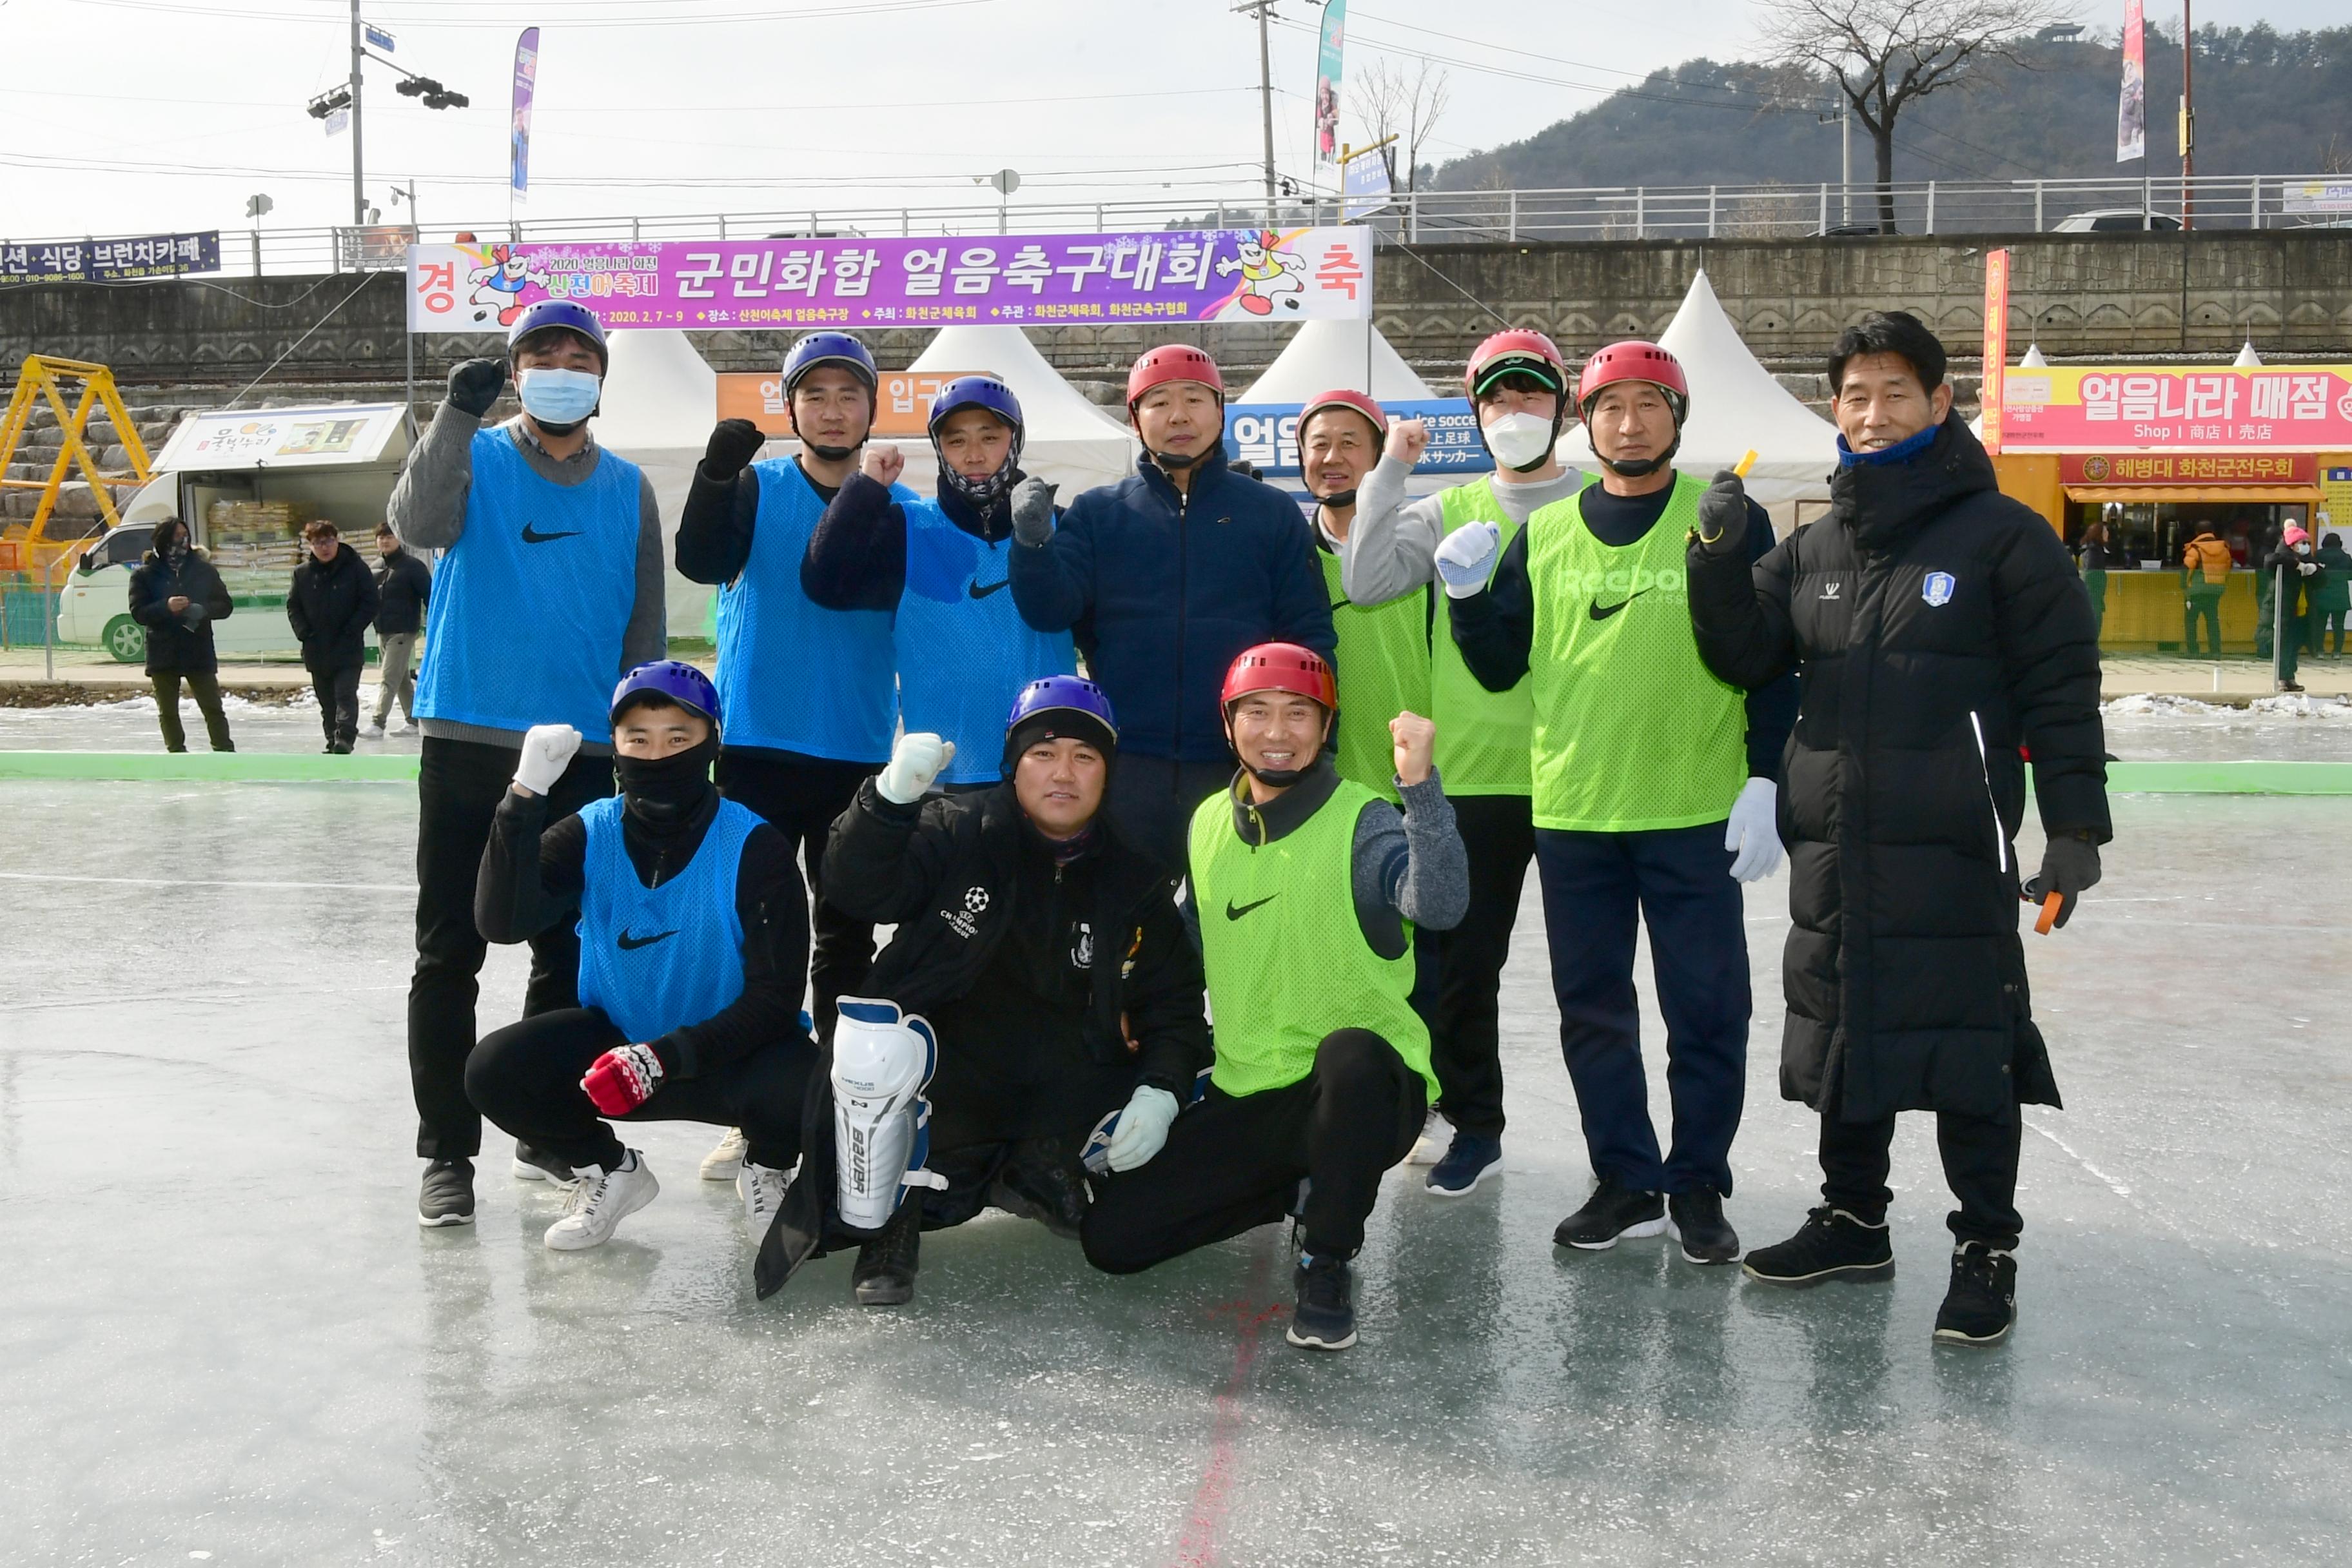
[1162, 588]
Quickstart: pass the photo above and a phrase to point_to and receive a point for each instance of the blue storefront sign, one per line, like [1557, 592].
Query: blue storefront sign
[1265, 434]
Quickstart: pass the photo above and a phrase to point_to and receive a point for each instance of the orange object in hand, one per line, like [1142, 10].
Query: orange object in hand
[2050, 903]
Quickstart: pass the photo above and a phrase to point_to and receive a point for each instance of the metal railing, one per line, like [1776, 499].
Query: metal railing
[1767, 211]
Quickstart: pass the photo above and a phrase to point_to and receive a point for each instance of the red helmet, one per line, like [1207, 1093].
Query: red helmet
[1517, 349]
[1172, 361]
[1362, 402]
[1634, 360]
[1280, 667]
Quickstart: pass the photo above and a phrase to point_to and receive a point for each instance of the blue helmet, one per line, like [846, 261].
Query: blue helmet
[546, 313]
[1057, 707]
[814, 349]
[979, 391]
[668, 680]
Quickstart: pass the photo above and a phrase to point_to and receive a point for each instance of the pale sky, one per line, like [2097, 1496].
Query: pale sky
[127, 117]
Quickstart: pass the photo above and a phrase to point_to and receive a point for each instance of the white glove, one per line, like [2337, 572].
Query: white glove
[1465, 558]
[547, 751]
[2307, 567]
[1753, 835]
[1143, 1127]
[915, 761]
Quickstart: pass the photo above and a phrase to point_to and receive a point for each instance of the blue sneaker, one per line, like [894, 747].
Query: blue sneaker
[1470, 1161]
[1325, 1317]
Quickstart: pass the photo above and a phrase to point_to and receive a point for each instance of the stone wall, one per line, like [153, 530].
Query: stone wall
[2119, 295]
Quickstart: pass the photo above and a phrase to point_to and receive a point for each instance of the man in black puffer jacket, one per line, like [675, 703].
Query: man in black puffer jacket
[1942, 637]
[329, 604]
[1047, 954]
[177, 597]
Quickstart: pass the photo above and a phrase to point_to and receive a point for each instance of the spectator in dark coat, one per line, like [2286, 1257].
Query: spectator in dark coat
[177, 597]
[403, 583]
[1941, 637]
[330, 602]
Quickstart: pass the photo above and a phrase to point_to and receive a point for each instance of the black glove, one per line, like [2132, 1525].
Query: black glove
[1723, 516]
[2070, 865]
[734, 444]
[476, 385]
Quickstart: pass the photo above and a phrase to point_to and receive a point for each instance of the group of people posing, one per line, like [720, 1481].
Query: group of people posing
[1296, 791]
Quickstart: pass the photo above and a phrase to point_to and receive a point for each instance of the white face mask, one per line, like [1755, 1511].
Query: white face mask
[558, 396]
[1519, 440]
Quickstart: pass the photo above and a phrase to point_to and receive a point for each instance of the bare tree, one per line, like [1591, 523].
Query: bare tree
[1405, 106]
[1886, 55]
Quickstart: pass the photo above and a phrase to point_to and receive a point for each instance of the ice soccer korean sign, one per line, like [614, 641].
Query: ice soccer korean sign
[787, 285]
[1265, 434]
[2102, 408]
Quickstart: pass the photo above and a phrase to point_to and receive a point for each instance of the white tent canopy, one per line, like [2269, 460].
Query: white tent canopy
[1326, 354]
[1735, 405]
[1068, 440]
[660, 401]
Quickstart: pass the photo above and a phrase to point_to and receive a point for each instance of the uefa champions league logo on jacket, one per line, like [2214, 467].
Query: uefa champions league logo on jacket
[965, 921]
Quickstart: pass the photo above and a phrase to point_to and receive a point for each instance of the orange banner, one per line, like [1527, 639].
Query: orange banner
[902, 409]
[1996, 342]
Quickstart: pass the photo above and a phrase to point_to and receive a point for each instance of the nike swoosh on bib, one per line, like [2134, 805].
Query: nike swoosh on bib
[532, 536]
[1602, 612]
[631, 943]
[1234, 914]
[980, 593]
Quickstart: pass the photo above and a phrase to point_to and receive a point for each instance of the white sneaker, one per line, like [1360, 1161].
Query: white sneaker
[761, 1188]
[1436, 1137]
[407, 727]
[375, 732]
[725, 1162]
[599, 1201]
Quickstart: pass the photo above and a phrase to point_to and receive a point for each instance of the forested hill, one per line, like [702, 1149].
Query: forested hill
[2267, 103]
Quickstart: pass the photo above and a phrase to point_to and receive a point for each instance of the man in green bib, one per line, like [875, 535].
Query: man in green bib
[1518, 385]
[1305, 890]
[1654, 799]
[1383, 648]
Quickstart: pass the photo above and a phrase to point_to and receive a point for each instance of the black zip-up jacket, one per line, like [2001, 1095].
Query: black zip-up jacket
[715, 525]
[2299, 591]
[1162, 588]
[533, 874]
[403, 584]
[329, 604]
[1940, 626]
[179, 644]
[972, 887]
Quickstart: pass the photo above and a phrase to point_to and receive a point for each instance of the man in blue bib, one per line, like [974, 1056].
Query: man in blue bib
[963, 651]
[693, 933]
[809, 694]
[550, 585]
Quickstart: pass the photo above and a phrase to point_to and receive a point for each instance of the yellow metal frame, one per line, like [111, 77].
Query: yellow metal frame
[42, 376]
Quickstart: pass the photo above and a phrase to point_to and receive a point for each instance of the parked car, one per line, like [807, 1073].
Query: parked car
[2106, 220]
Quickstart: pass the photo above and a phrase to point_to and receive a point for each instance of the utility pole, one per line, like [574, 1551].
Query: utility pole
[2188, 119]
[1265, 94]
[359, 196]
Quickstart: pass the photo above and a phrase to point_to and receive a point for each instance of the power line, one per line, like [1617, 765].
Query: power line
[661, 18]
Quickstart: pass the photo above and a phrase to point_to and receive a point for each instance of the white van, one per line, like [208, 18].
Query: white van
[245, 481]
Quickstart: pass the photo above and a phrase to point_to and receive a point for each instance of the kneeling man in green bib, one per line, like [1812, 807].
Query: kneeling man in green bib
[1305, 891]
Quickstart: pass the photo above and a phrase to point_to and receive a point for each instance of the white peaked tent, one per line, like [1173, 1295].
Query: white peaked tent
[1068, 441]
[660, 401]
[1737, 405]
[1323, 355]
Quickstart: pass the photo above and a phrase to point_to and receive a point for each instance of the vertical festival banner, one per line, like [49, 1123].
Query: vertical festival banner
[1996, 344]
[526, 77]
[1327, 81]
[2131, 111]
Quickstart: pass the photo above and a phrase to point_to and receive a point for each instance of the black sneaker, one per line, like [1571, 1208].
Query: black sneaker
[447, 1197]
[1831, 1244]
[1695, 1220]
[1325, 1317]
[884, 1275]
[1609, 1216]
[531, 1164]
[1981, 1306]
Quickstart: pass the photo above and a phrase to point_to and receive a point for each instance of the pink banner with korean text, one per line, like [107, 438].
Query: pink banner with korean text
[2102, 408]
[791, 285]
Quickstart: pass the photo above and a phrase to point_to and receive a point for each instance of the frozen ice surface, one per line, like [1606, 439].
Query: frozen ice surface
[128, 725]
[2284, 729]
[223, 1332]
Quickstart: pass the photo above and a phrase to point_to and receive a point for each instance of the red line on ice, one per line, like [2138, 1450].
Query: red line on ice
[1212, 1499]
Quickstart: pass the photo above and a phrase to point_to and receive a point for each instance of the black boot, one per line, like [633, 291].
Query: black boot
[1981, 1306]
[1041, 1182]
[885, 1272]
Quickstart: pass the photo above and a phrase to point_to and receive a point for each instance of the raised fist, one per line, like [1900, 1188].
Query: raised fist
[476, 385]
[734, 444]
[1407, 440]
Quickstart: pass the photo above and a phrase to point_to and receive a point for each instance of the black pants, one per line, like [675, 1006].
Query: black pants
[526, 1077]
[1232, 1164]
[1152, 800]
[1678, 880]
[458, 786]
[204, 687]
[337, 691]
[1464, 1030]
[800, 797]
[1979, 1166]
